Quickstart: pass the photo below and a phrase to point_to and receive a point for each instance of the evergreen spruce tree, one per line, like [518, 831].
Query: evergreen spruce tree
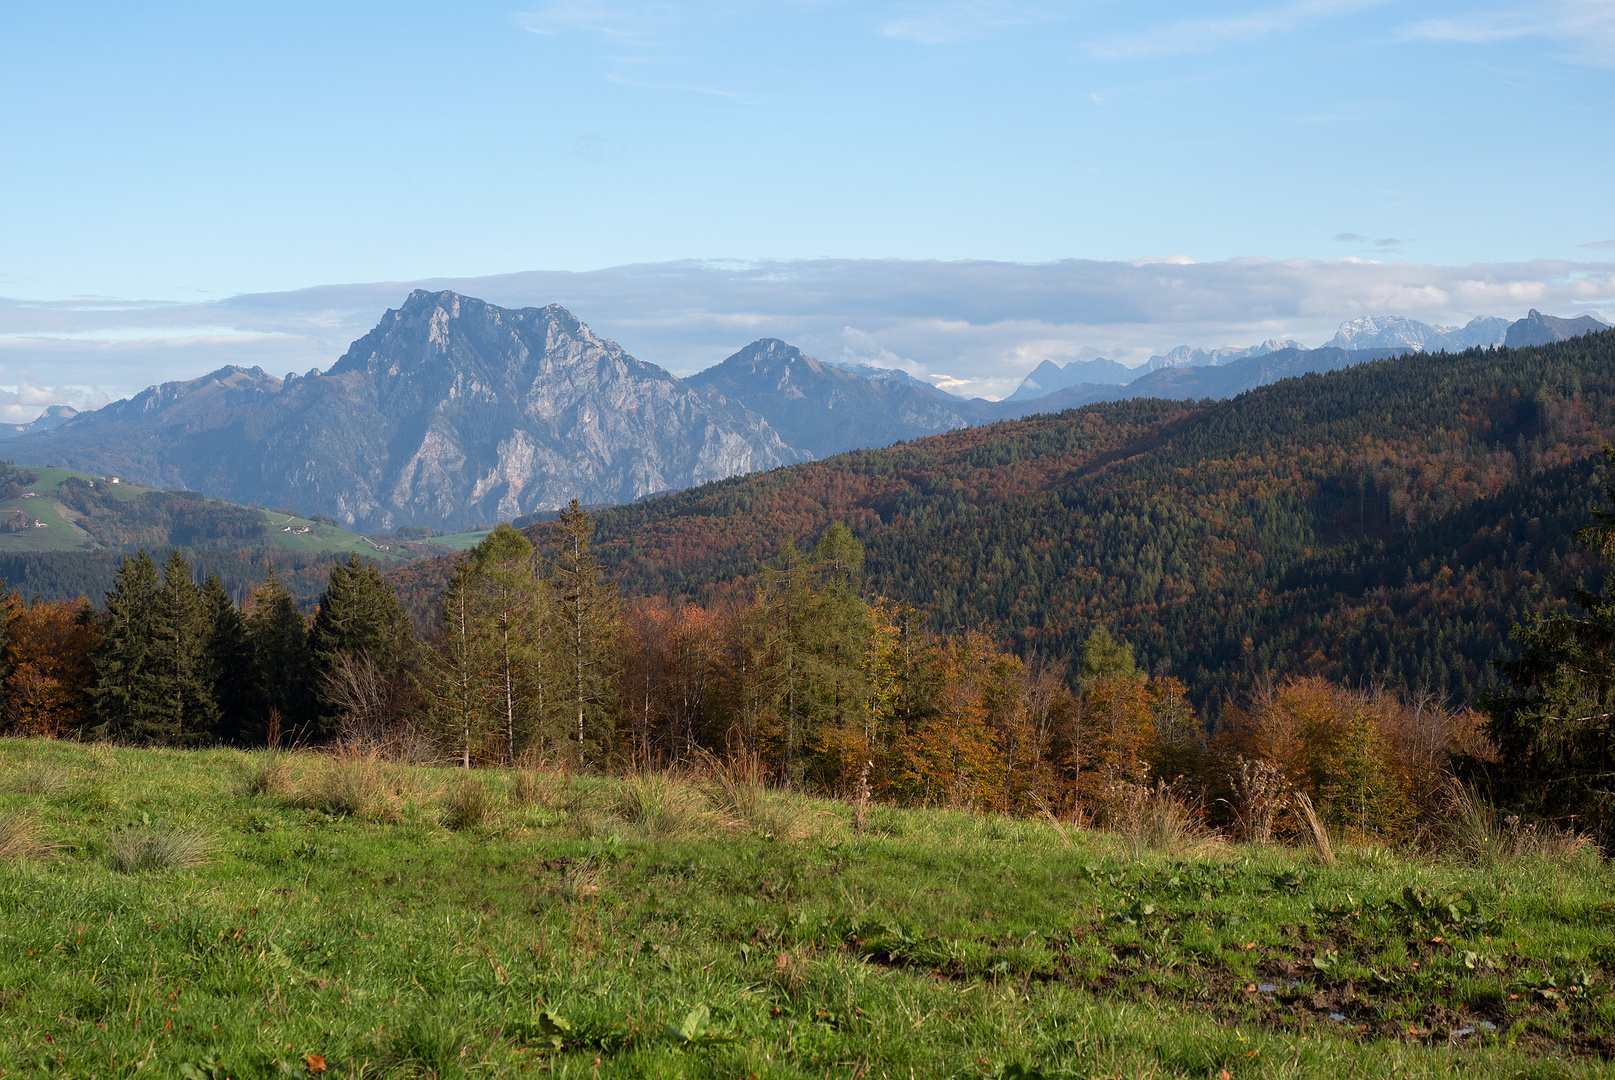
[231, 668]
[1555, 728]
[360, 617]
[583, 635]
[179, 657]
[125, 691]
[282, 666]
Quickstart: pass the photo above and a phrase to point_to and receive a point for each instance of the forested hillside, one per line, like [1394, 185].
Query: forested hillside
[1382, 522]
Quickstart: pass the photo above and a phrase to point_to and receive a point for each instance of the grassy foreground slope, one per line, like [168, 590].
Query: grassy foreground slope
[605, 927]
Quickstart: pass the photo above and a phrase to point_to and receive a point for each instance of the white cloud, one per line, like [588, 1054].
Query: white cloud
[958, 20]
[1204, 35]
[977, 327]
[1583, 29]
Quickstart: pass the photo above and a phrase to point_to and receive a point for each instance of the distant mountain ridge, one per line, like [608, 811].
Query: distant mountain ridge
[1369, 333]
[1396, 332]
[1049, 377]
[823, 409]
[452, 413]
[1539, 329]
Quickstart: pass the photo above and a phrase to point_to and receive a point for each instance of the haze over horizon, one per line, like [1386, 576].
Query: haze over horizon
[959, 189]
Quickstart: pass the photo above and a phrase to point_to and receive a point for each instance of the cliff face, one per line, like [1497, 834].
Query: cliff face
[824, 409]
[449, 413]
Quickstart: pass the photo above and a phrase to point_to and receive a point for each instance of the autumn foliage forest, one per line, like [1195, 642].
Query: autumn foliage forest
[1215, 606]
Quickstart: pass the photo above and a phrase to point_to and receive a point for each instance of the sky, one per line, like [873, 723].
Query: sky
[189, 185]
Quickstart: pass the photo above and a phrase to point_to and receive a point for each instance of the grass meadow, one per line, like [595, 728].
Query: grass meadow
[217, 913]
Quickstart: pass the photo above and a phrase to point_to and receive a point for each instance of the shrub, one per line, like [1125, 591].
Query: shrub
[1260, 793]
[156, 848]
[467, 805]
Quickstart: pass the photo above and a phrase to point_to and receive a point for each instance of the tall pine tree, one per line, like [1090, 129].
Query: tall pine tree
[1555, 727]
[179, 656]
[231, 668]
[282, 666]
[359, 622]
[127, 697]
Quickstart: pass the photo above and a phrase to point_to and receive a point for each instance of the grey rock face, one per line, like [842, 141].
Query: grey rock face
[451, 412]
[1539, 329]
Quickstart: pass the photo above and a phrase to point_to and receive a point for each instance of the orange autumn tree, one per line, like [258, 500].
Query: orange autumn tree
[951, 757]
[49, 648]
[1336, 744]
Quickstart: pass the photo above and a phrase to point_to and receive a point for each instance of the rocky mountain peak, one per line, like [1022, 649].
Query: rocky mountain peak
[773, 356]
[1539, 329]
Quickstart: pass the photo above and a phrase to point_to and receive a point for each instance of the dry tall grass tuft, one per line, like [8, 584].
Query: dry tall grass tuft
[1260, 795]
[661, 807]
[552, 789]
[467, 805]
[1154, 818]
[156, 848]
[1475, 834]
[1048, 814]
[735, 787]
[19, 837]
[353, 782]
[528, 788]
[738, 792]
[45, 780]
[860, 799]
[266, 773]
[1320, 834]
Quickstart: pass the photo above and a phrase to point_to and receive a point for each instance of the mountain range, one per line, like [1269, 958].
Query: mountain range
[453, 412]
[1382, 335]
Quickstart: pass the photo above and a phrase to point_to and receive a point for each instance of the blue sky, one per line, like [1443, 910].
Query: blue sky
[169, 152]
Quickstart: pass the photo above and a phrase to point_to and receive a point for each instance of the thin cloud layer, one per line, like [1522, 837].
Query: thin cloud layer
[1583, 29]
[974, 327]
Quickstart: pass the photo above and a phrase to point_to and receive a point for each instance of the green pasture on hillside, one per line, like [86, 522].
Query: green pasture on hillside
[321, 538]
[59, 533]
[461, 541]
[370, 919]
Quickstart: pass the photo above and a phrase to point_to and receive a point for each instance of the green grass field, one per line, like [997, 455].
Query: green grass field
[215, 913]
[324, 538]
[461, 541]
